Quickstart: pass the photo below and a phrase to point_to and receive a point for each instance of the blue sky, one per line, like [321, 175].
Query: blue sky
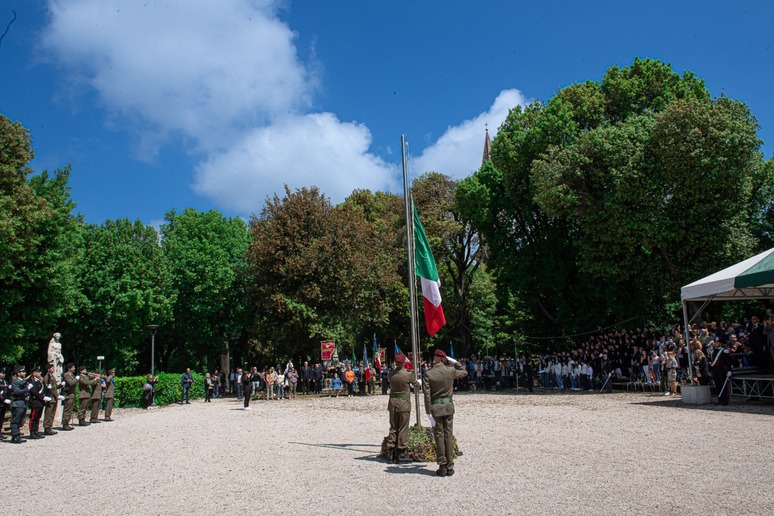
[164, 105]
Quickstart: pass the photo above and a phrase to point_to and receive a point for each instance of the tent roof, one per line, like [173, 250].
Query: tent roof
[749, 279]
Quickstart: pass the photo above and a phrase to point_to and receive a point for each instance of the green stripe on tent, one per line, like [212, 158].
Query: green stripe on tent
[762, 273]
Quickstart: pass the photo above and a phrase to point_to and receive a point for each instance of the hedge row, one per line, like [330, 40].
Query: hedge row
[169, 388]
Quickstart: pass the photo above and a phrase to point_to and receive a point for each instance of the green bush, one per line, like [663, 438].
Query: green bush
[169, 388]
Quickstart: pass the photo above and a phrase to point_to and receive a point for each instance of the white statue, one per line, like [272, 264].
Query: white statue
[55, 354]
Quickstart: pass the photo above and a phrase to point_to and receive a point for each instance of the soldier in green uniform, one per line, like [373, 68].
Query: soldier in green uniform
[85, 383]
[109, 393]
[69, 385]
[399, 408]
[438, 387]
[96, 398]
[52, 383]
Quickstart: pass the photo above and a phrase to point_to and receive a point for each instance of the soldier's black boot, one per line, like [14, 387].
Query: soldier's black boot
[403, 458]
[441, 472]
[16, 439]
[394, 456]
[49, 431]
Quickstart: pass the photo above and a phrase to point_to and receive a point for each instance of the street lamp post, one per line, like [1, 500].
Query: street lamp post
[153, 328]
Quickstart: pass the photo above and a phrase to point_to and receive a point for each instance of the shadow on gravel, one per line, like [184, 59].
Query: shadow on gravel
[750, 407]
[350, 447]
[411, 469]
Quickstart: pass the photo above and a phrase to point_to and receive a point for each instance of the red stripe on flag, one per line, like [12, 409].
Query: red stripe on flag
[434, 318]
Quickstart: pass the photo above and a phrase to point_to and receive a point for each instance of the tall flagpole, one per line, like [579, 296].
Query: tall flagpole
[412, 278]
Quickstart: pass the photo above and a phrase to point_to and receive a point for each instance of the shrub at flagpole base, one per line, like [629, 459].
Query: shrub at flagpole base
[421, 445]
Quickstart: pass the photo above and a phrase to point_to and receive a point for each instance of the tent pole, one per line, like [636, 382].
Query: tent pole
[687, 341]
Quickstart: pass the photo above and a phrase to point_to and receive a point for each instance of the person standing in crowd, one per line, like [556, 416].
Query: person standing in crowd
[238, 383]
[19, 395]
[247, 388]
[349, 379]
[701, 365]
[85, 383]
[439, 405]
[721, 373]
[385, 379]
[768, 329]
[69, 386]
[306, 377]
[109, 393]
[758, 340]
[52, 383]
[399, 408]
[208, 387]
[318, 378]
[279, 380]
[96, 398]
[187, 380]
[215, 380]
[292, 382]
[269, 379]
[5, 400]
[37, 400]
[371, 382]
[149, 391]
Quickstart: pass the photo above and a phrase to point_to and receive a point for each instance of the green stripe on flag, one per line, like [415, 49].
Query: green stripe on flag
[423, 256]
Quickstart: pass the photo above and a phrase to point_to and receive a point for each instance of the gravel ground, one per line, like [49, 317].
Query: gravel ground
[533, 454]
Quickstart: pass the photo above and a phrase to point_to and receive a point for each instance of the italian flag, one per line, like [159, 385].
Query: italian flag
[424, 264]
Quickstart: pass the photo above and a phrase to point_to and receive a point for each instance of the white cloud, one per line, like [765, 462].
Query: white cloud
[304, 150]
[225, 78]
[198, 69]
[458, 151]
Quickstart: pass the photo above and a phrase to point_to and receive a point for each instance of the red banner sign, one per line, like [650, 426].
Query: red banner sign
[327, 348]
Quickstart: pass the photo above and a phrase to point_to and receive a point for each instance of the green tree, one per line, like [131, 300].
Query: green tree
[38, 249]
[594, 203]
[457, 250]
[314, 275]
[205, 256]
[127, 287]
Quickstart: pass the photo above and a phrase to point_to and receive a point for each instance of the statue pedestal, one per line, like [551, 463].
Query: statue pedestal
[696, 394]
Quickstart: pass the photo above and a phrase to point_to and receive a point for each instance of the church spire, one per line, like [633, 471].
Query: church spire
[487, 147]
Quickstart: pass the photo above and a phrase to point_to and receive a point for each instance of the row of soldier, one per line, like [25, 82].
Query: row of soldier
[43, 393]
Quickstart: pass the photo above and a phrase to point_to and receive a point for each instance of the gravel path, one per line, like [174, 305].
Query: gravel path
[551, 453]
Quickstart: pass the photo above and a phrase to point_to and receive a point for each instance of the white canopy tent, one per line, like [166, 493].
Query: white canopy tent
[752, 278]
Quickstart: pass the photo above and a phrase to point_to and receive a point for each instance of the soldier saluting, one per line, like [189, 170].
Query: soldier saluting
[399, 407]
[109, 393]
[69, 385]
[438, 387]
[85, 383]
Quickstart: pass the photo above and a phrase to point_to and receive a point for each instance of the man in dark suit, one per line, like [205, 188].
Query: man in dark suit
[306, 377]
[438, 387]
[399, 407]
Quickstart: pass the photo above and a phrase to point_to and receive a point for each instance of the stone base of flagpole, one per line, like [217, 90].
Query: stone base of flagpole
[421, 445]
[696, 394]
